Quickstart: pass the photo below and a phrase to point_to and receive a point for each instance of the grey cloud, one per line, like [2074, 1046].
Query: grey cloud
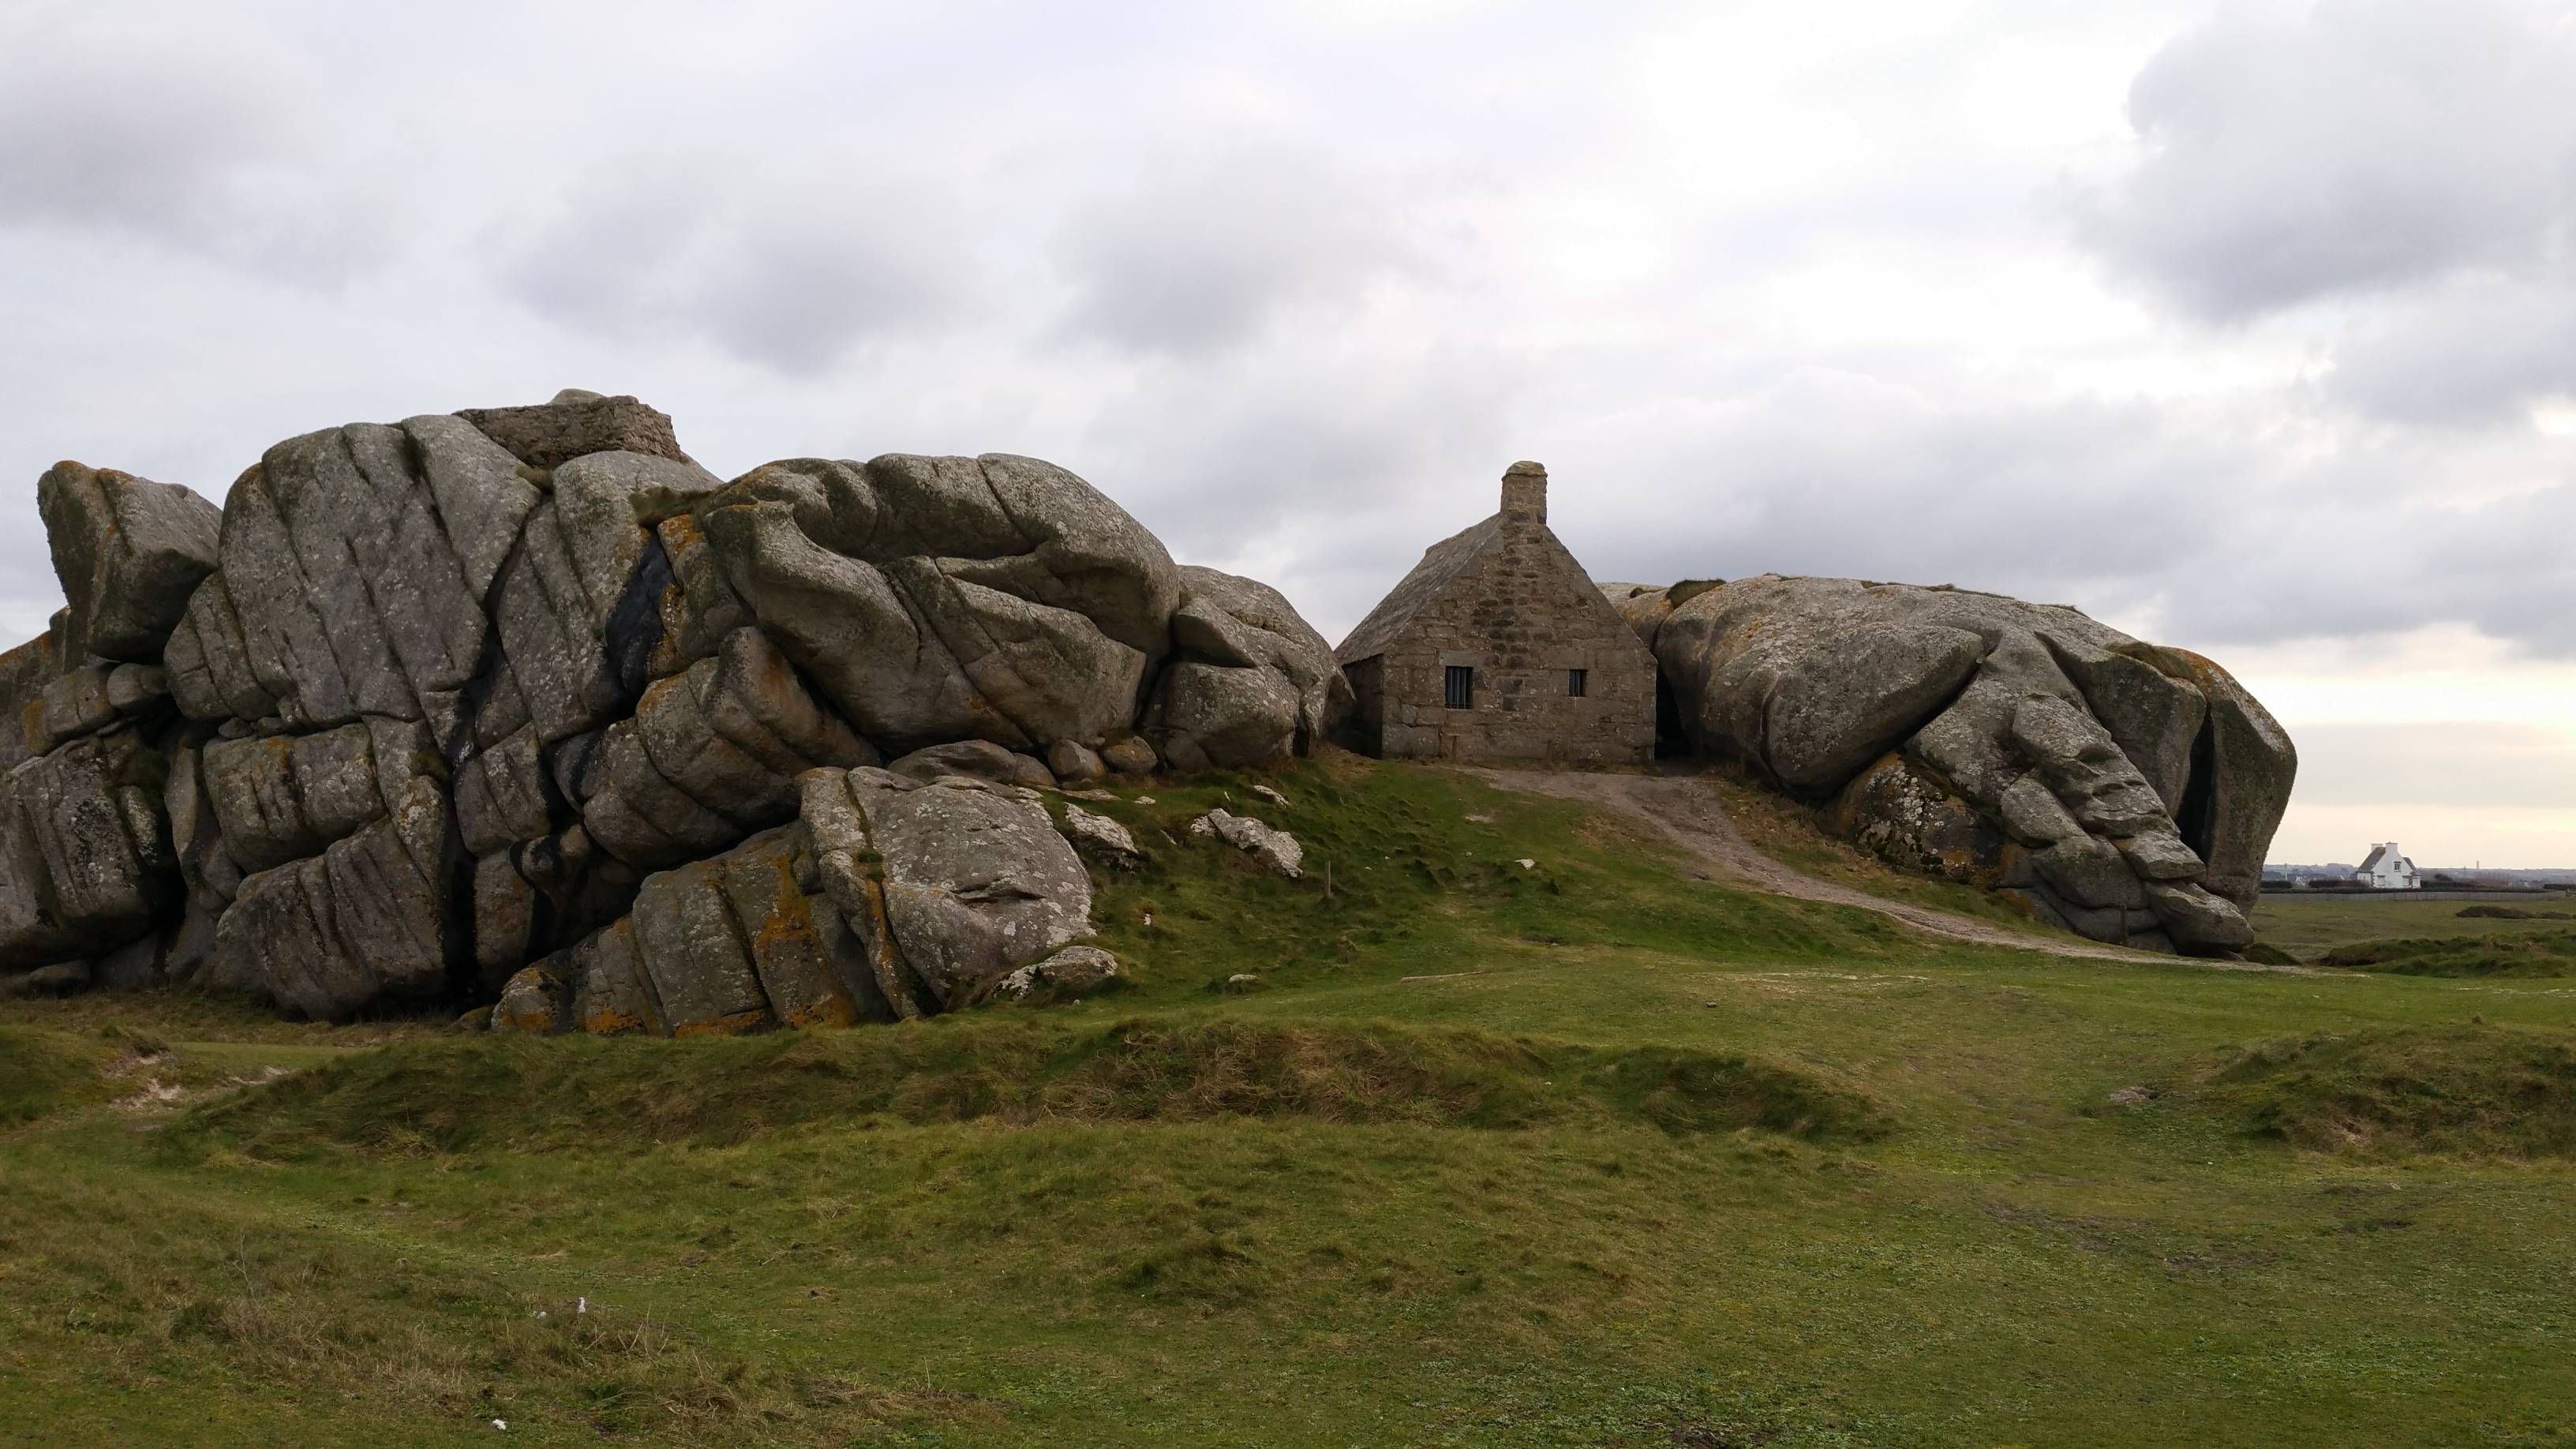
[2477, 352]
[2196, 519]
[183, 132]
[2352, 147]
[96, 126]
[1832, 473]
[2333, 552]
[790, 266]
[2209, 526]
[1327, 468]
[1305, 433]
[2120, 509]
[2502, 567]
[1310, 357]
[1205, 250]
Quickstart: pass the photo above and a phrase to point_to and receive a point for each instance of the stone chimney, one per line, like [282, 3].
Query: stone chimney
[1525, 495]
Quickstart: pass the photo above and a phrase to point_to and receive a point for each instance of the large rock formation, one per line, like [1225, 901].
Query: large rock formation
[430, 706]
[2122, 789]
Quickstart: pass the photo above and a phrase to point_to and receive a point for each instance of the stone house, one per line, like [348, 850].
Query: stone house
[1498, 646]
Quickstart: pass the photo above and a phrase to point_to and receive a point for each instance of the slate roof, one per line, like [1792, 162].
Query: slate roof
[1441, 563]
[2378, 853]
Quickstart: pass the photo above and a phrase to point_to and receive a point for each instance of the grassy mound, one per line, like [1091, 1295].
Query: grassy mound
[43, 1072]
[2512, 913]
[2464, 1089]
[2544, 953]
[1409, 870]
[516, 1093]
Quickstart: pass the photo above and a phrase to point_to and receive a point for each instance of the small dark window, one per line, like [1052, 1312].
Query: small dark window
[1574, 682]
[1461, 683]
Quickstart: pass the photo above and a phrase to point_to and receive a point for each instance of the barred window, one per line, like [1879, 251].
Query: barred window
[1461, 682]
[1574, 683]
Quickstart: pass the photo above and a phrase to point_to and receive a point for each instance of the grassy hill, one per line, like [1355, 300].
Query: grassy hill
[1588, 1152]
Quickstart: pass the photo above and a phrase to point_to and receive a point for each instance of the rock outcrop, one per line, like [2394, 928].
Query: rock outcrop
[1071, 970]
[1110, 841]
[2124, 790]
[128, 553]
[1277, 850]
[1253, 681]
[941, 599]
[521, 705]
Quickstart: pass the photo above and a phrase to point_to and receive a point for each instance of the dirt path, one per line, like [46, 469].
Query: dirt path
[1688, 810]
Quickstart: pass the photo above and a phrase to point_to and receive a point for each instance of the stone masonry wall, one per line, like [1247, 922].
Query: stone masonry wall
[1522, 615]
[1368, 699]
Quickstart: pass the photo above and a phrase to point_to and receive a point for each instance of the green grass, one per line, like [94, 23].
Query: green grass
[2394, 1093]
[2410, 937]
[43, 1072]
[2489, 912]
[2306, 925]
[526, 1095]
[1593, 1153]
[2534, 953]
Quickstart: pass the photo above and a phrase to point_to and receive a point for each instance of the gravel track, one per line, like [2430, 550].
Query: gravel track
[1688, 810]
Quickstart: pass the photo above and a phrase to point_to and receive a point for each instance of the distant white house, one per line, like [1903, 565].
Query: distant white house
[2386, 870]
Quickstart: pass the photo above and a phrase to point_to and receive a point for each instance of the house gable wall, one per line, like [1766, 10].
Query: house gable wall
[1522, 615]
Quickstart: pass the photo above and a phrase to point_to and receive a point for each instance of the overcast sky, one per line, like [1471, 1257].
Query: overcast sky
[2251, 330]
